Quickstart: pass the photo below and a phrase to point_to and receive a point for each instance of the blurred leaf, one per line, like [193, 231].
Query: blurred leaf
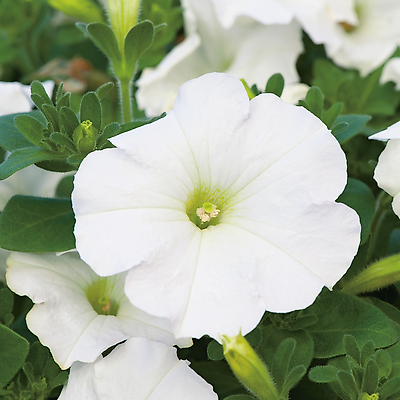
[13, 351]
[355, 124]
[34, 224]
[275, 85]
[359, 196]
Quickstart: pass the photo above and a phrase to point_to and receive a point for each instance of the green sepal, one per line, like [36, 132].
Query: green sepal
[31, 128]
[90, 109]
[275, 85]
[69, 120]
[137, 41]
[103, 90]
[64, 101]
[63, 141]
[370, 378]
[51, 115]
[24, 157]
[13, 351]
[109, 131]
[59, 92]
[34, 224]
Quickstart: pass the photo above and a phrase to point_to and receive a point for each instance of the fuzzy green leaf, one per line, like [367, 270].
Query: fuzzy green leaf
[275, 85]
[31, 128]
[90, 109]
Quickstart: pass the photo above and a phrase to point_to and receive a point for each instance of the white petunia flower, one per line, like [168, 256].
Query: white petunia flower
[138, 369]
[358, 34]
[250, 50]
[79, 314]
[387, 172]
[391, 72]
[15, 97]
[272, 169]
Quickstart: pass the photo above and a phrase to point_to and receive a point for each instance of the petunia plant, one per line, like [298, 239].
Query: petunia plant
[243, 244]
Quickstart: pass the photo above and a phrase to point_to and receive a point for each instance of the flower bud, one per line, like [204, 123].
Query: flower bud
[248, 367]
[85, 136]
[380, 274]
[84, 10]
[123, 16]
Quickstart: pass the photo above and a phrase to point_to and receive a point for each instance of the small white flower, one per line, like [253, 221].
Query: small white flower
[272, 169]
[387, 172]
[79, 314]
[358, 34]
[138, 369]
[15, 97]
[250, 50]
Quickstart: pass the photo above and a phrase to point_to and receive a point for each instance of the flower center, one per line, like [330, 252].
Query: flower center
[101, 297]
[205, 206]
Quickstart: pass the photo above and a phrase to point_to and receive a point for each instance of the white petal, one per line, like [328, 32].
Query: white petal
[13, 98]
[140, 370]
[63, 318]
[391, 72]
[267, 12]
[294, 92]
[392, 132]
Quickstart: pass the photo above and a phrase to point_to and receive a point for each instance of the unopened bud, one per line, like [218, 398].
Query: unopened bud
[85, 136]
[248, 367]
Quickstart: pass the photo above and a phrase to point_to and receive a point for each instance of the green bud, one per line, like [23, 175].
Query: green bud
[366, 396]
[85, 136]
[123, 16]
[248, 367]
[380, 274]
[84, 10]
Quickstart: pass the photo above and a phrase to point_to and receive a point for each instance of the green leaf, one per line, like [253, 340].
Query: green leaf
[239, 397]
[104, 38]
[31, 128]
[220, 376]
[339, 314]
[59, 92]
[293, 378]
[371, 378]
[103, 90]
[109, 131]
[351, 348]
[323, 374]
[315, 101]
[137, 41]
[69, 120]
[339, 128]
[389, 388]
[349, 386]
[10, 137]
[280, 364]
[215, 351]
[329, 117]
[356, 124]
[34, 224]
[6, 305]
[384, 363]
[359, 196]
[24, 157]
[367, 352]
[254, 337]
[272, 337]
[90, 109]
[38, 89]
[38, 100]
[65, 187]
[275, 85]
[13, 351]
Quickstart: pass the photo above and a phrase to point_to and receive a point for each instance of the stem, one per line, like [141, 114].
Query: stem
[125, 99]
